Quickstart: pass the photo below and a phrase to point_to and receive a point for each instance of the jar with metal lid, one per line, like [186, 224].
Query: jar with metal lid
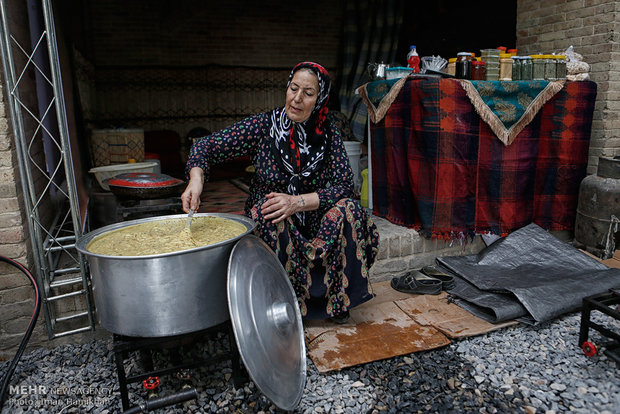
[478, 70]
[538, 67]
[463, 65]
[526, 68]
[550, 67]
[505, 67]
[516, 68]
[560, 67]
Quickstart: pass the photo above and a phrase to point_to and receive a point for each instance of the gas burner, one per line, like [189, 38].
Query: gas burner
[177, 366]
[107, 209]
[130, 209]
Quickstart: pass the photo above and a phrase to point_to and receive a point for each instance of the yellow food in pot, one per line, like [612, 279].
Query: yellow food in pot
[165, 236]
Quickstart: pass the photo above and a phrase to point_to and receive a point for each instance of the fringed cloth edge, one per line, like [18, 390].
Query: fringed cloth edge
[378, 112]
[507, 136]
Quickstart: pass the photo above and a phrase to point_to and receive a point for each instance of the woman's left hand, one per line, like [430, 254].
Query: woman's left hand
[279, 206]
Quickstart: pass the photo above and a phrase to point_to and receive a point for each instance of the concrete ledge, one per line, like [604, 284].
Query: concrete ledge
[402, 249]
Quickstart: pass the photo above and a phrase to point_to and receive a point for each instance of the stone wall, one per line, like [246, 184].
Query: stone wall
[592, 27]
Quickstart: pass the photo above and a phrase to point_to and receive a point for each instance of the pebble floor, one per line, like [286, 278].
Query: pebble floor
[530, 369]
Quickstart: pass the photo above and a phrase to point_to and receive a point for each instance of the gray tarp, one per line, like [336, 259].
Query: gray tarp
[529, 275]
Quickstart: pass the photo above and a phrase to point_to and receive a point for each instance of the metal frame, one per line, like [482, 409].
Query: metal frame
[60, 268]
[125, 346]
[604, 303]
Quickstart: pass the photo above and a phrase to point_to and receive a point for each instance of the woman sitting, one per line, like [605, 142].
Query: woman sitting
[300, 195]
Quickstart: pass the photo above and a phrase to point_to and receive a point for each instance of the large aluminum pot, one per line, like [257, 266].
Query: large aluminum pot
[165, 294]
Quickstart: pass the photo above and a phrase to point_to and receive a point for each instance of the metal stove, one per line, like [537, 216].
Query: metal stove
[607, 303]
[177, 369]
[130, 209]
[106, 208]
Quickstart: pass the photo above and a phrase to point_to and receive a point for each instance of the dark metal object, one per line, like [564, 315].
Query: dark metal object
[604, 303]
[598, 210]
[105, 208]
[127, 209]
[155, 403]
[122, 346]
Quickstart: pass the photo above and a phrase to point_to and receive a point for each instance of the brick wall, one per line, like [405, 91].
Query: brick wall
[166, 66]
[186, 33]
[16, 294]
[593, 28]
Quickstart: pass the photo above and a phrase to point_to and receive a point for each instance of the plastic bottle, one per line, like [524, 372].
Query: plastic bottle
[413, 60]
[364, 192]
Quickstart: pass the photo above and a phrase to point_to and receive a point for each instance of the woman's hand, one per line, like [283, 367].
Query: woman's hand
[191, 195]
[279, 206]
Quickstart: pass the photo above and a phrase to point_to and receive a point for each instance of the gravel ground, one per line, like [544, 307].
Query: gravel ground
[518, 369]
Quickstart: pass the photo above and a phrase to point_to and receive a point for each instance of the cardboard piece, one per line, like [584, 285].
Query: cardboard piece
[613, 261]
[372, 333]
[391, 324]
[449, 318]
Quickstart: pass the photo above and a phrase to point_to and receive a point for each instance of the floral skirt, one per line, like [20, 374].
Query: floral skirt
[329, 272]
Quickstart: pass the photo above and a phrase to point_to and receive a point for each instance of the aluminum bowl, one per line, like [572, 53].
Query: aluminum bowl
[165, 294]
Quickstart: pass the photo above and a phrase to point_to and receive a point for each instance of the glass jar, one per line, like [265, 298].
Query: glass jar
[478, 70]
[550, 67]
[505, 67]
[463, 65]
[516, 68]
[560, 67]
[538, 67]
[526, 68]
[451, 66]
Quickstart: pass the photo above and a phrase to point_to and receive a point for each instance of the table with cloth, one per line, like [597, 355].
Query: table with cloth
[454, 158]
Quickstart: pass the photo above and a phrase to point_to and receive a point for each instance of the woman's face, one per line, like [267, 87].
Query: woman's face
[301, 95]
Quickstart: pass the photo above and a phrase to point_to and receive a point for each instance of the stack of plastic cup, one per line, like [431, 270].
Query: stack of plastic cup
[491, 57]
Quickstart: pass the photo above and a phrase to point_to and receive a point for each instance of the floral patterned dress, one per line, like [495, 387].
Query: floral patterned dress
[328, 257]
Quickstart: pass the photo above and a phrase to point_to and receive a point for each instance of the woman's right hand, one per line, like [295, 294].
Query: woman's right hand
[191, 195]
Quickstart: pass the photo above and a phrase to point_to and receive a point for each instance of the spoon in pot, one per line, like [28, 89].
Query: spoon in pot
[188, 223]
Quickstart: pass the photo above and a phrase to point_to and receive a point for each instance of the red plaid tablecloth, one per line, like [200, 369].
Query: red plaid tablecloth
[439, 168]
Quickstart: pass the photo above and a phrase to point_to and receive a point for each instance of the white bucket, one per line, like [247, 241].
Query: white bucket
[354, 151]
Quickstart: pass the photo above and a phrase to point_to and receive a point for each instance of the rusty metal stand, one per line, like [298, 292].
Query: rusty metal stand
[607, 303]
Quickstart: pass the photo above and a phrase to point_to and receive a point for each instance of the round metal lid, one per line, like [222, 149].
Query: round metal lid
[267, 322]
[143, 180]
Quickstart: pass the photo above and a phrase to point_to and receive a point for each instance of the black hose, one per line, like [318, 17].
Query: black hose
[33, 321]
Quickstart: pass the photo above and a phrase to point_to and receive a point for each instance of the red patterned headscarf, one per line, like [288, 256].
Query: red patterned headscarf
[319, 113]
